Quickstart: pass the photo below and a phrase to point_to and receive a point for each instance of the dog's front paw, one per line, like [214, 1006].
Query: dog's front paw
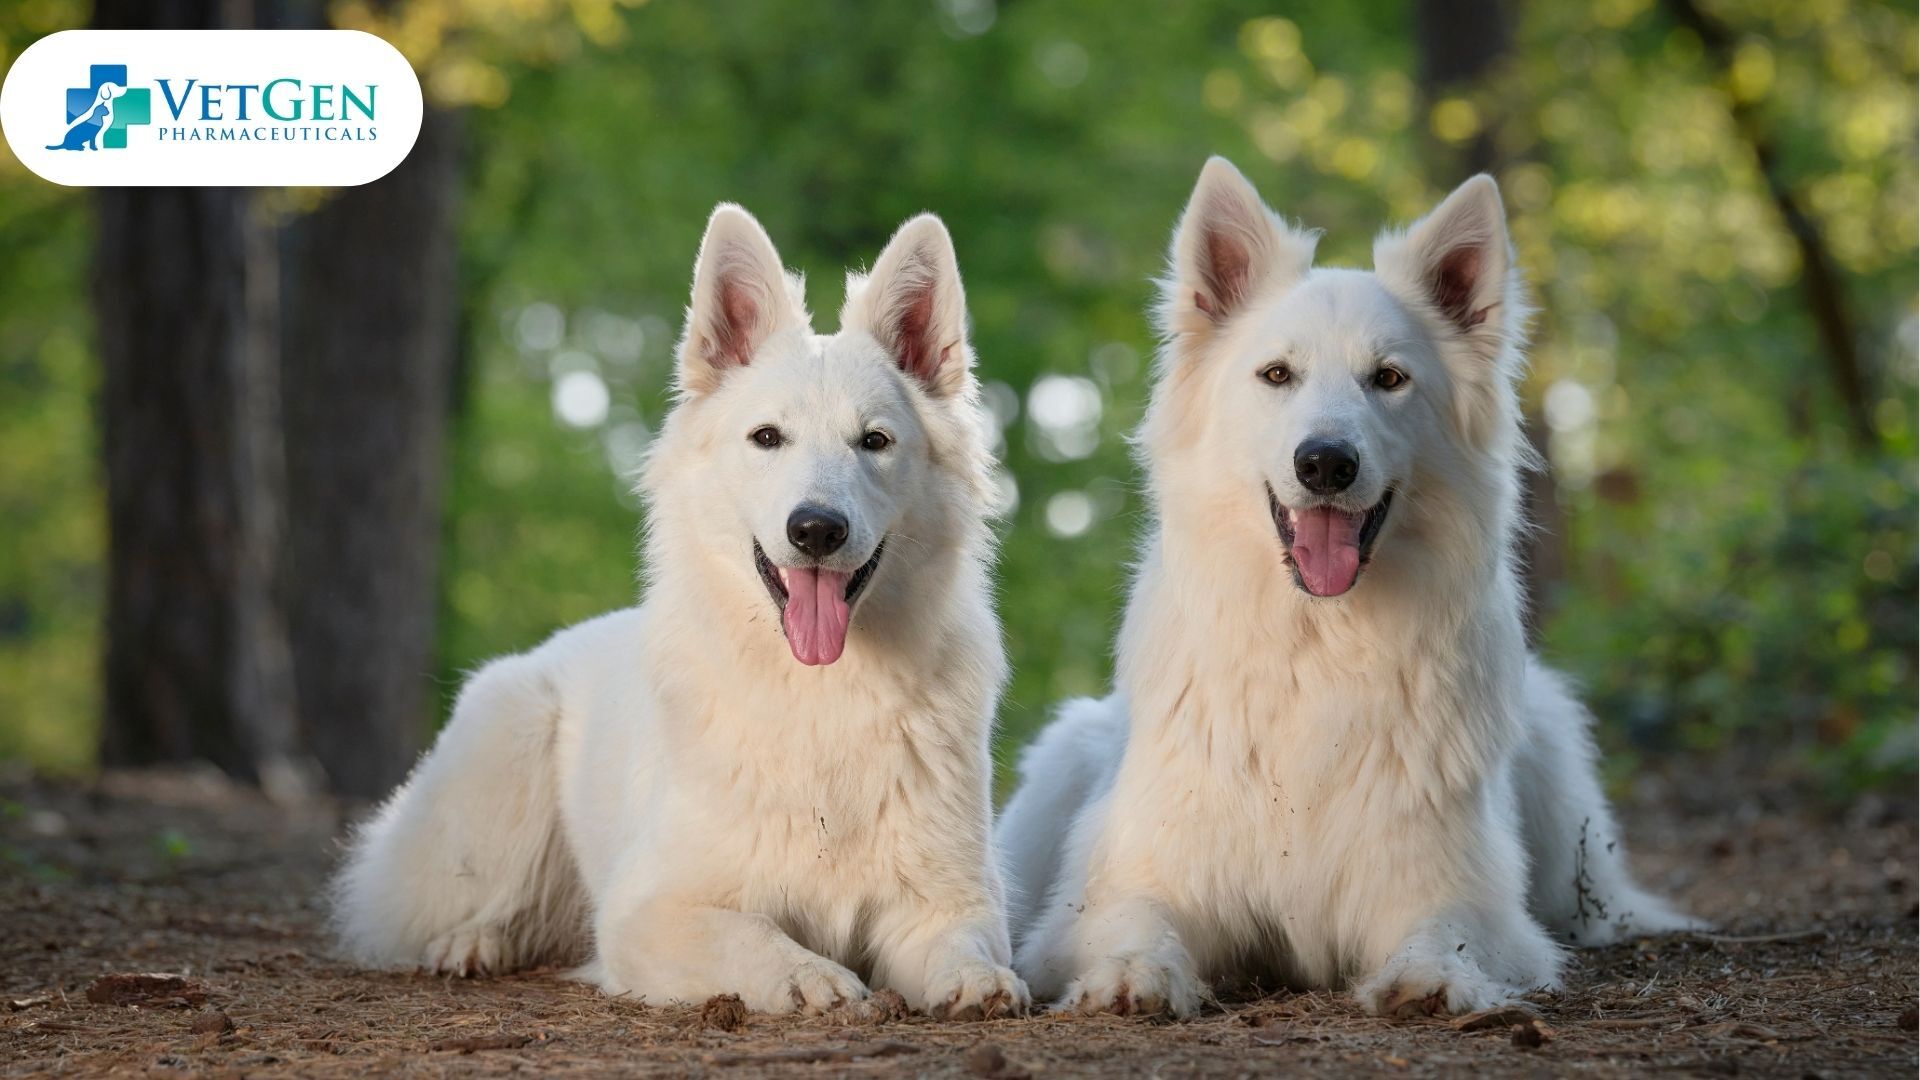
[977, 990]
[1413, 985]
[1134, 985]
[467, 951]
[818, 985]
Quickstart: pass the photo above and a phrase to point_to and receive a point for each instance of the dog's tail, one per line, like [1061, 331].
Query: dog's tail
[1582, 889]
[466, 868]
[1071, 762]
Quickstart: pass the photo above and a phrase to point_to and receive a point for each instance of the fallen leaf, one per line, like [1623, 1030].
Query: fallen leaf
[152, 990]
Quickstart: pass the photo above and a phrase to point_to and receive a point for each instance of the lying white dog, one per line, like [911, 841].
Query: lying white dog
[772, 777]
[1329, 756]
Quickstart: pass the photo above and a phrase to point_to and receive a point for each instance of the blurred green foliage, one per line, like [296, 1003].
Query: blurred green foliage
[52, 507]
[1735, 567]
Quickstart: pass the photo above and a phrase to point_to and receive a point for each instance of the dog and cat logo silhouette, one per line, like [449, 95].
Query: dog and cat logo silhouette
[99, 113]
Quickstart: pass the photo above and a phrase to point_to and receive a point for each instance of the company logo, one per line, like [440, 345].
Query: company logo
[235, 108]
[99, 113]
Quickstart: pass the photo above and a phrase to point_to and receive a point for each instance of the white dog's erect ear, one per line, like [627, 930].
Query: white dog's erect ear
[1457, 261]
[913, 305]
[1227, 248]
[741, 296]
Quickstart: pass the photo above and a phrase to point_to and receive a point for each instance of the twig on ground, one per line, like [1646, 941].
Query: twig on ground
[1760, 939]
[804, 1055]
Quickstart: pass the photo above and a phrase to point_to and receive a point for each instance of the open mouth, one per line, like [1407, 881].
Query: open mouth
[1327, 547]
[816, 605]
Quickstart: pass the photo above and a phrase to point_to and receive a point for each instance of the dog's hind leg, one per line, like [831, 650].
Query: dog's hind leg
[1581, 887]
[466, 869]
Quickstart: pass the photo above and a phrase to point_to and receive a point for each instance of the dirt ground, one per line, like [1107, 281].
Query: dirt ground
[1812, 971]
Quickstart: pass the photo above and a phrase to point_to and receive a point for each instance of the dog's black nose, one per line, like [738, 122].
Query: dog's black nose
[1325, 466]
[816, 531]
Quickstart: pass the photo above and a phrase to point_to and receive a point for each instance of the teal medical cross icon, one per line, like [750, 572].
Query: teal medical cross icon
[99, 113]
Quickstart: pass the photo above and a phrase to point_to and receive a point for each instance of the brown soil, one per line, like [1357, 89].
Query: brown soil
[1812, 973]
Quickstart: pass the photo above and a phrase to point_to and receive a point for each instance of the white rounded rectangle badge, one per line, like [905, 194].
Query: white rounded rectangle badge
[211, 108]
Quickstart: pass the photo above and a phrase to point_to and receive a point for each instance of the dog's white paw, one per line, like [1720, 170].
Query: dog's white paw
[977, 990]
[467, 951]
[817, 985]
[1413, 984]
[1135, 984]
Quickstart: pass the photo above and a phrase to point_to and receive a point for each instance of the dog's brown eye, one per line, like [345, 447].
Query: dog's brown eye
[1389, 378]
[875, 440]
[1278, 374]
[768, 436]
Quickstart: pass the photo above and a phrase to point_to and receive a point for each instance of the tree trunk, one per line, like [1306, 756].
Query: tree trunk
[372, 315]
[1461, 41]
[243, 627]
[197, 664]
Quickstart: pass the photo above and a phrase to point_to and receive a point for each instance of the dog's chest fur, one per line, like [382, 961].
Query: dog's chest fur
[1344, 765]
[810, 805]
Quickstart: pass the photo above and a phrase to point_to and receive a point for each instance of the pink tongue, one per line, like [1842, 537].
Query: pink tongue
[816, 615]
[1326, 549]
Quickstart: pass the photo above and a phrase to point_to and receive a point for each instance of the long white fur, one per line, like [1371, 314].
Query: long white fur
[664, 793]
[1380, 790]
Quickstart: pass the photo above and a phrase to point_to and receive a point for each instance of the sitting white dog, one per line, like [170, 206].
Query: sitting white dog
[772, 777]
[1329, 756]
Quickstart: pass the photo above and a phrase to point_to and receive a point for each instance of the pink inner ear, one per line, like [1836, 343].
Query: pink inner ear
[1455, 280]
[733, 330]
[1229, 264]
[913, 347]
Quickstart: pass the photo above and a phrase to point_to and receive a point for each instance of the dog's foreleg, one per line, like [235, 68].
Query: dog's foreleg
[663, 951]
[953, 963]
[1122, 956]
